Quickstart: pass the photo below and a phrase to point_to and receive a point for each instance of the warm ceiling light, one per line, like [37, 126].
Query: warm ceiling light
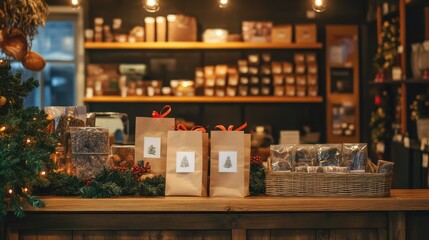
[75, 4]
[223, 3]
[151, 5]
[319, 5]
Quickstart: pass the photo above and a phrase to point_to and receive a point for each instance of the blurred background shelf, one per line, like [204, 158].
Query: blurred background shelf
[200, 45]
[203, 99]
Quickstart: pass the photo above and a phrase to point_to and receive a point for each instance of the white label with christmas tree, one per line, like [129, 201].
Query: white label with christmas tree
[185, 162]
[152, 147]
[228, 161]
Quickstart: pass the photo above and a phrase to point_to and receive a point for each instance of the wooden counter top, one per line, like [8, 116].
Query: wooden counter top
[400, 200]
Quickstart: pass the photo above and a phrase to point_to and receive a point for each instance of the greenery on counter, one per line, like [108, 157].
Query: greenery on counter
[109, 183]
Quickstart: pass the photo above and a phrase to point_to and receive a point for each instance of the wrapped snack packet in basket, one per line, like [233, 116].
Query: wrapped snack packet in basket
[305, 155]
[385, 166]
[282, 157]
[329, 154]
[90, 150]
[355, 156]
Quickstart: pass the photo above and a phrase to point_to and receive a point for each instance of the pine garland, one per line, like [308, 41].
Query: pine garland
[128, 182]
[257, 176]
[108, 183]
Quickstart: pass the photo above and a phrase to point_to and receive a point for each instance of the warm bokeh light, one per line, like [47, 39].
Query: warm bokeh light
[319, 5]
[223, 3]
[75, 4]
[151, 5]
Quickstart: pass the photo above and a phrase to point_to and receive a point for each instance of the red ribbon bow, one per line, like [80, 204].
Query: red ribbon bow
[182, 127]
[231, 127]
[160, 114]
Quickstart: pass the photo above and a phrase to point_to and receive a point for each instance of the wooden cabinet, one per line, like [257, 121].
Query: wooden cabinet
[403, 215]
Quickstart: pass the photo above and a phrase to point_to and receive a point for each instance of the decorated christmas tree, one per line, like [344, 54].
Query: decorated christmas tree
[387, 50]
[26, 143]
[25, 140]
[380, 125]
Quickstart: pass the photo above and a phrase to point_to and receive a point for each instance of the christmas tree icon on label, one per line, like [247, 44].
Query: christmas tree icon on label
[184, 163]
[228, 163]
[151, 150]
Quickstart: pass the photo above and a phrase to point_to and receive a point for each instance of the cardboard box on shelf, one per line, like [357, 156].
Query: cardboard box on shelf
[256, 31]
[181, 28]
[282, 34]
[305, 33]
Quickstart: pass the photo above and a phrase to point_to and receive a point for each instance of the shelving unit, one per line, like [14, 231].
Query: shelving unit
[203, 99]
[203, 109]
[199, 45]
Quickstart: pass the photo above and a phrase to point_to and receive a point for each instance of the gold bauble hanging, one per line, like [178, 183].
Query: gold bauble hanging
[3, 101]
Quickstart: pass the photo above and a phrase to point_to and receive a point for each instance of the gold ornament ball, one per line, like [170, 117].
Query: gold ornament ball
[3, 101]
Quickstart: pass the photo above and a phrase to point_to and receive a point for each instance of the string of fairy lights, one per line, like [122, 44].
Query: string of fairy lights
[28, 141]
[154, 6]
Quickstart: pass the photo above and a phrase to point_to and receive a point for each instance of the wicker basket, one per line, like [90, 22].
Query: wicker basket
[328, 184]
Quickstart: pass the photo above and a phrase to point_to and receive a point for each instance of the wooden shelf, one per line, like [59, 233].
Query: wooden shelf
[200, 45]
[405, 81]
[400, 200]
[203, 99]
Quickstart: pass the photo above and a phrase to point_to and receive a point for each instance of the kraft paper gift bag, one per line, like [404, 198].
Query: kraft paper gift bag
[230, 164]
[187, 163]
[151, 140]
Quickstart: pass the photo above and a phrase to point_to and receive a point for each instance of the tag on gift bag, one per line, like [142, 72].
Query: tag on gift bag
[187, 163]
[151, 140]
[230, 164]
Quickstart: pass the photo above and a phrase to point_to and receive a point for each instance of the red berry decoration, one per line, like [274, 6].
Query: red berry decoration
[255, 160]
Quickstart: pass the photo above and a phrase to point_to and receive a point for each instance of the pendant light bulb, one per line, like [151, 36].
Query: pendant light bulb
[151, 5]
[319, 5]
[75, 4]
[223, 3]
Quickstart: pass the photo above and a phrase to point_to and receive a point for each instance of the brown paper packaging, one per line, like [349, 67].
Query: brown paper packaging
[150, 29]
[234, 183]
[180, 179]
[161, 29]
[151, 142]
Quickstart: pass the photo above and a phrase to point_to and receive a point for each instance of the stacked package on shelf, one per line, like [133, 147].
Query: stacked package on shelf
[301, 78]
[210, 81]
[231, 89]
[312, 74]
[266, 75]
[243, 81]
[278, 79]
[220, 80]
